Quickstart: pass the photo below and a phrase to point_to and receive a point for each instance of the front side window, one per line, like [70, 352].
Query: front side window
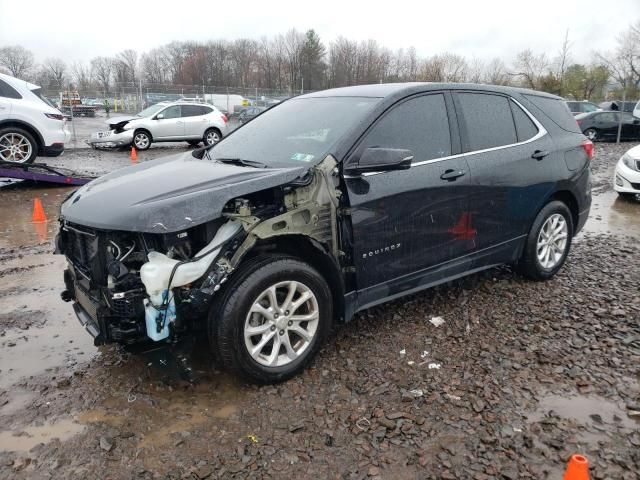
[487, 119]
[171, 112]
[420, 124]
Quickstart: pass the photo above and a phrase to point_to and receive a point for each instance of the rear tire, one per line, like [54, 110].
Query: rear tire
[256, 327]
[211, 137]
[17, 145]
[591, 134]
[548, 242]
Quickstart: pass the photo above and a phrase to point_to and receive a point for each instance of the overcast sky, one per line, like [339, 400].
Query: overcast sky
[80, 30]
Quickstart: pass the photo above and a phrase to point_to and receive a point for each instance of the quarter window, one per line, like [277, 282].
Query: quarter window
[488, 121]
[525, 128]
[420, 124]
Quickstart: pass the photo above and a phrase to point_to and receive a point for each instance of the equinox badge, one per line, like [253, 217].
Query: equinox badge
[390, 248]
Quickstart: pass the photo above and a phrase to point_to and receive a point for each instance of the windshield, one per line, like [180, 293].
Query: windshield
[298, 131]
[149, 111]
[38, 93]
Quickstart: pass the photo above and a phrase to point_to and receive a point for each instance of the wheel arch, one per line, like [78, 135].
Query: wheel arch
[569, 199]
[314, 253]
[145, 130]
[25, 126]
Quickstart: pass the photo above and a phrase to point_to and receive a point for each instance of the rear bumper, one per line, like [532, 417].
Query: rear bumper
[53, 150]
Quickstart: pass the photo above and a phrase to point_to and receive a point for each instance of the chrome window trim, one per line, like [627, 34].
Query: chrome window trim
[541, 133]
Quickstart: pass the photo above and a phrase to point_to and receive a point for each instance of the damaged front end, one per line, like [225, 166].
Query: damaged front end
[120, 134]
[133, 287]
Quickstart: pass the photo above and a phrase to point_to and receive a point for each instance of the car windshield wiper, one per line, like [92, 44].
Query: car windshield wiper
[242, 162]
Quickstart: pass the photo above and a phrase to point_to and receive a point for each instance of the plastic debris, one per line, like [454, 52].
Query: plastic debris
[363, 424]
[452, 397]
[424, 354]
[417, 392]
[434, 366]
[131, 398]
[253, 438]
[436, 321]
[411, 362]
[403, 352]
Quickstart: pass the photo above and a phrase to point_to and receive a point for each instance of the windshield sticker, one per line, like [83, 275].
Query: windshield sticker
[302, 157]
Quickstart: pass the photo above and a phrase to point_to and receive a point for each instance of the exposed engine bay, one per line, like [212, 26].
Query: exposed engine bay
[133, 287]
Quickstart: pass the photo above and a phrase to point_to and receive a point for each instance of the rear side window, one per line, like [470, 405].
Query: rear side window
[487, 119]
[8, 91]
[206, 110]
[420, 124]
[608, 117]
[192, 110]
[525, 128]
[557, 111]
[574, 106]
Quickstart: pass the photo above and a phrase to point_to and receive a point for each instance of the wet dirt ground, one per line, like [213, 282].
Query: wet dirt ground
[518, 377]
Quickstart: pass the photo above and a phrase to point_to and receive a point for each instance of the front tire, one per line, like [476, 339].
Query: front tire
[142, 140]
[548, 242]
[17, 146]
[271, 320]
[626, 195]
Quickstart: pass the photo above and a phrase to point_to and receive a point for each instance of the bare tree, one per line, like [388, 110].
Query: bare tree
[495, 73]
[127, 65]
[563, 60]
[102, 69]
[18, 60]
[530, 68]
[81, 75]
[56, 70]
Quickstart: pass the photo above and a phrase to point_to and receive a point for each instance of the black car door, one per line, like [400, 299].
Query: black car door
[630, 127]
[607, 124]
[408, 223]
[512, 170]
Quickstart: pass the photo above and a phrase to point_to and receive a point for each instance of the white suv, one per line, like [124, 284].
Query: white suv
[29, 124]
[164, 122]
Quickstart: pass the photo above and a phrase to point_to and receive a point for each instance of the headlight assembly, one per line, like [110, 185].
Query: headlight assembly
[630, 162]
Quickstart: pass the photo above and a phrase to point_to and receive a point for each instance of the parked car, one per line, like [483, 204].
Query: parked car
[29, 125]
[250, 113]
[626, 180]
[323, 206]
[604, 125]
[164, 122]
[581, 107]
[618, 105]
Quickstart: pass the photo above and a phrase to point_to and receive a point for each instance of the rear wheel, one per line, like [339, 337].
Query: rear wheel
[212, 136]
[17, 145]
[272, 319]
[591, 134]
[548, 242]
[141, 140]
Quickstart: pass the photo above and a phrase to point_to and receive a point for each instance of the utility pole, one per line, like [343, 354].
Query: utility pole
[621, 110]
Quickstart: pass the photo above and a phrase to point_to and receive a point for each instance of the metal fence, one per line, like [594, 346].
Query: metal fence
[132, 97]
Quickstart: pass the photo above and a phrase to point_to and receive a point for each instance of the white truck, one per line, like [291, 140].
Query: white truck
[231, 103]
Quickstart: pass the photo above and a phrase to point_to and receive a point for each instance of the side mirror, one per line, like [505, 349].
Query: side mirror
[375, 159]
[160, 116]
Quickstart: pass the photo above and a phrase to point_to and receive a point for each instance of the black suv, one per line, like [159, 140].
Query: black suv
[324, 205]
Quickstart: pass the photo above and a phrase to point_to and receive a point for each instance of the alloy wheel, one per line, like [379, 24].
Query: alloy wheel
[141, 141]
[212, 137]
[15, 147]
[552, 241]
[281, 324]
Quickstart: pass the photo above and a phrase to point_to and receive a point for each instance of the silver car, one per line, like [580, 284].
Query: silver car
[164, 122]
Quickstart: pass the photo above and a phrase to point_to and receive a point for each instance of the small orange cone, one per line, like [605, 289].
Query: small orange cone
[38, 212]
[134, 155]
[577, 468]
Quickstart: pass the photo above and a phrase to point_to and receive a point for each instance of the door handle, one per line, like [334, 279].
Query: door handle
[451, 174]
[539, 154]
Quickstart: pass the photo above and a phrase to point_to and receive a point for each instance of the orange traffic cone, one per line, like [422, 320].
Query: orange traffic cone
[577, 468]
[134, 155]
[38, 212]
[42, 232]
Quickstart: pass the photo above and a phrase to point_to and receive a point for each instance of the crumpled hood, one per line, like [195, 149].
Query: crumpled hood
[167, 195]
[121, 119]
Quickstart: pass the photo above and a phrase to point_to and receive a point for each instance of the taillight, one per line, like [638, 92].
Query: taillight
[224, 118]
[579, 122]
[588, 148]
[54, 116]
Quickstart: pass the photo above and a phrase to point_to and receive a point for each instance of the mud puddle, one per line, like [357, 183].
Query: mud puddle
[614, 215]
[55, 338]
[16, 227]
[24, 439]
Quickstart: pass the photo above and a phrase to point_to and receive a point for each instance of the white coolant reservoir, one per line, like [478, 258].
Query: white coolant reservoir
[155, 276]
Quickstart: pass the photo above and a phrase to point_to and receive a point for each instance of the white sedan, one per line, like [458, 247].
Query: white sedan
[626, 180]
[164, 122]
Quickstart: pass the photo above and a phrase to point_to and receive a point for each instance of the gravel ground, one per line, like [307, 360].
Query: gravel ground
[518, 376]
